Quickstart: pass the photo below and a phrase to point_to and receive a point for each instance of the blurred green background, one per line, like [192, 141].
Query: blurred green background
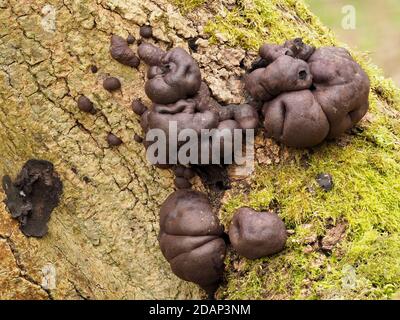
[377, 29]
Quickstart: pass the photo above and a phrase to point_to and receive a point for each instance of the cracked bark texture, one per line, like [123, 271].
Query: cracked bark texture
[102, 239]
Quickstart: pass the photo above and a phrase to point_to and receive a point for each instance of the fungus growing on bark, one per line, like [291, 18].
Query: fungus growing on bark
[299, 49]
[130, 39]
[121, 52]
[94, 69]
[319, 93]
[85, 105]
[190, 239]
[341, 88]
[185, 115]
[257, 234]
[295, 119]
[33, 195]
[283, 75]
[111, 84]
[150, 54]
[173, 76]
[138, 107]
[113, 140]
[146, 31]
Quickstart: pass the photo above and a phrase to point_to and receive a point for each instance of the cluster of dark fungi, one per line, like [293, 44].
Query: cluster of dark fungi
[309, 94]
[191, 236]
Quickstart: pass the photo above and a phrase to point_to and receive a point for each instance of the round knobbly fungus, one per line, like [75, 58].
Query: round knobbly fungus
[94, 69]
[111, 84]
[138, 138]
[85, 105]
[191, 239]
[138, 107]
[182, 183]
[113, 140]
[130, 39]
[319, 92]
[257, 234]
[146, 32]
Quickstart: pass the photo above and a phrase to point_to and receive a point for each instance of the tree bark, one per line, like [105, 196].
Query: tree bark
[102, 240]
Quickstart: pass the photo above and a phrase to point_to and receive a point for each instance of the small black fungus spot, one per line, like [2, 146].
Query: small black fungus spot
[257, 234]
[113, 140]
[33, 195]
[138, 107]
[94, 69]
[85, 105]
[130, 39]
[325, 181]
[192, 44]
[111, 84]
[146, 32]
[138, 138]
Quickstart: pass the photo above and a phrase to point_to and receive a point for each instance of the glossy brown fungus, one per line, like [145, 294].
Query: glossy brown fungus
[295, 119]
[130, 39]
[146, 31]
[85, 105]
[113, 140]
[172, 77]
[190, 239]
[33, 195]
[257, 234]
[111, 84]
[193, 107]
[309, 94]
[138, 107]
[121, 52]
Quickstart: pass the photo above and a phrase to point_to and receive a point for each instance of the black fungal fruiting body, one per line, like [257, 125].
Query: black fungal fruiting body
[33, 195]
[85, 105]
[146, 32]
[190, 239]
[138, 107]
[94, 69]
[319, 93]
[121, 52]
[257, 234]
[113, 140]
[111, 84]
[325, 181]
[174, 85]
[130, 39]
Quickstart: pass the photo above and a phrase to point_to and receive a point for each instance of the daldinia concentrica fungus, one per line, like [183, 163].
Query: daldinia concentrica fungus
[309, 94]
[33, 195]
[191, 239]
[111, 84]
[295, 119]
[341, 88]
[257, 234]
[172, 77]
[85, 105]
[121, 52]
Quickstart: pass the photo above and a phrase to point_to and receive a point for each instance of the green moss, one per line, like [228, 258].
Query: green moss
[366, 171]
[188, 5]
